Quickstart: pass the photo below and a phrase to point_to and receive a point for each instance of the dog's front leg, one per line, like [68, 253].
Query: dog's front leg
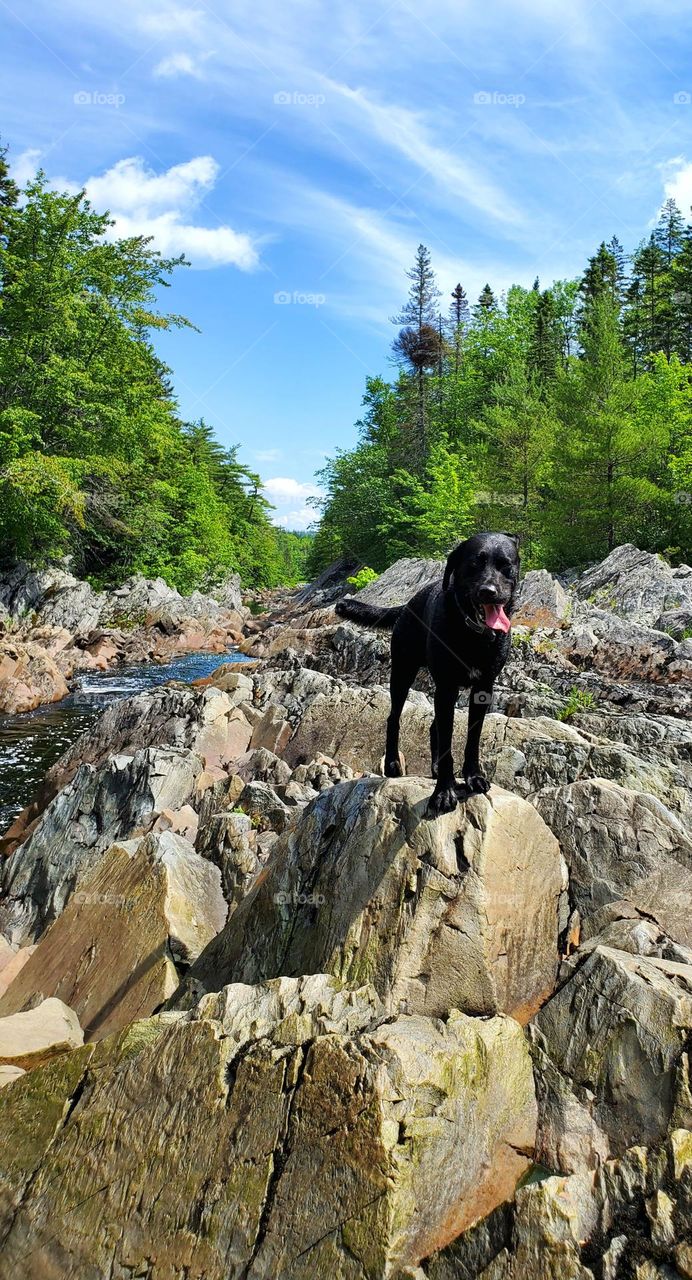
[479, 702]
[445, 797]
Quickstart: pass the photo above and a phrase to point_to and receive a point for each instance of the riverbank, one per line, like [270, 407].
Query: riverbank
[54, 627]
[31, 742]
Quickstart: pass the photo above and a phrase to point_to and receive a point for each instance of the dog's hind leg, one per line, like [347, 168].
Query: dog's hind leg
[403, 675]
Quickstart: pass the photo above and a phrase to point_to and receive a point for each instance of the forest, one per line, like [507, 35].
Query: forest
[562, 414]
[95, 461]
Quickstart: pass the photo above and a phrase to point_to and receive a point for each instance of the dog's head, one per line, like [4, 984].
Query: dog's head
[483, 573]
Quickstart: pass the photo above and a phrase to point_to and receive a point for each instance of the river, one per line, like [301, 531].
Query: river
[30, 743]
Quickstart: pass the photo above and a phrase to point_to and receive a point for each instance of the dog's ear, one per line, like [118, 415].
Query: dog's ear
[513, 537]
[453, 560]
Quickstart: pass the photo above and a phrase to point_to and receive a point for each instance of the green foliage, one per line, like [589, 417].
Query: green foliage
[94, 460]
[577, 700]
[363, 578]
[563, 414]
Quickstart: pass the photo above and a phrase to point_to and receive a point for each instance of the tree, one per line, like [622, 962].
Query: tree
[418, 344]
[94, 460]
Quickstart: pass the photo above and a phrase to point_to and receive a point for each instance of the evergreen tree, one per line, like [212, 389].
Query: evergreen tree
[418, 344]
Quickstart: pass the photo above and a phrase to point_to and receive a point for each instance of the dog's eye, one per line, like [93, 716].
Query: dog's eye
[504, 566]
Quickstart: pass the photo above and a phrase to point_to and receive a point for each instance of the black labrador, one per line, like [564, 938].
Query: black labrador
[460, 630]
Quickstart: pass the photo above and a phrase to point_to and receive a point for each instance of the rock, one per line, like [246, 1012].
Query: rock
[622, 844]
[676, 622]
[523, 755]
[280, 1131]
[182, 822]
[112, 953]
[609, 1051]
[272, 732]
[236, 684]
[625, 649]
[228, 593]
[460, 912]
[636, 585]
[630, 1218]
[261, 765]
[541, 601]
[50, 596]
[13, 966]
[29, 677]
[202, 720]
[9, 1074]
[98, 807]
[329, 585]
[230, 841]
[29, 1040]
[401, 581]
[264, 807]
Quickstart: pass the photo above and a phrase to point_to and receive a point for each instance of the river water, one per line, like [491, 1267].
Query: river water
[31, 743]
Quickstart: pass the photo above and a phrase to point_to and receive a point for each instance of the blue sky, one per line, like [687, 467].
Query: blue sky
[298, 152]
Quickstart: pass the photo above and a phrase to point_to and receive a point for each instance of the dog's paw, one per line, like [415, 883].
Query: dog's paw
[392, 768]
[443, 801]
[476, 784]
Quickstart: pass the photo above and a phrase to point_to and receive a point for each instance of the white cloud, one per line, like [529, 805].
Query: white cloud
[286, 489]
[180, 64]
[298, 520]
[144, 203]
[409, 134]
[25, 166]
[678, 182]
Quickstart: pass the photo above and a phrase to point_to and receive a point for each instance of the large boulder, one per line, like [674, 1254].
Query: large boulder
[626, 650]
[29, 677]
[50, 596]
[460, 912]
[98, 807]
[287, 1130]
[630, 1218]
[31, 1039]
[610, 1051]
[541, 601]
[401, 581]
[637, 585]
[111, 956]
[622, 844]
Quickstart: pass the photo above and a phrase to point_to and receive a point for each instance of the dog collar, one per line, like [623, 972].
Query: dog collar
[471, 623]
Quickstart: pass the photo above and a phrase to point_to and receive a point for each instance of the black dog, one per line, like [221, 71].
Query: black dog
[460, 631]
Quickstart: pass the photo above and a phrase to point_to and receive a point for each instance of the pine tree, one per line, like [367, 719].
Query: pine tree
[545, 341]
[418, 344]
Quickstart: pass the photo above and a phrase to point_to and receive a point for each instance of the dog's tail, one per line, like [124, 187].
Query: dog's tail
[369, 615]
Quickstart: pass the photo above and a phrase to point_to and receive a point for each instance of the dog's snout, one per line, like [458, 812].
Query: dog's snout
[488, 593]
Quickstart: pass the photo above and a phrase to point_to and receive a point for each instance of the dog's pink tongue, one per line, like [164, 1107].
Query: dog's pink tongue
[496, 618]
